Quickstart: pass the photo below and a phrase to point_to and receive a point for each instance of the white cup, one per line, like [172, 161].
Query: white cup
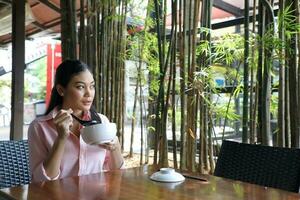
[99, 133]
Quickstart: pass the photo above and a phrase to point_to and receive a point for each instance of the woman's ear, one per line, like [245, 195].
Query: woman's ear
[60, 90]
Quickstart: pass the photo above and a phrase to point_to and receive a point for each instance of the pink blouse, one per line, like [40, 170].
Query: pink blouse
[78, 159]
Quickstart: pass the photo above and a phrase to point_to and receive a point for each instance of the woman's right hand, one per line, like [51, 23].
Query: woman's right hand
[63, 121]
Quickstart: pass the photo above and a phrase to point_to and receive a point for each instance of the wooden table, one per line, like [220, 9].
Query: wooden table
[135, 184]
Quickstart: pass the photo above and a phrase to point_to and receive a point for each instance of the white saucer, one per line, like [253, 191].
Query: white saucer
[167, 175]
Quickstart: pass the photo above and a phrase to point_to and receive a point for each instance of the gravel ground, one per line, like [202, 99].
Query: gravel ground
[134, 161]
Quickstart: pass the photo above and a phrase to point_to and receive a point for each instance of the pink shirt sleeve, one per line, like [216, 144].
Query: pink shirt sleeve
[106, 165]
[37, 153]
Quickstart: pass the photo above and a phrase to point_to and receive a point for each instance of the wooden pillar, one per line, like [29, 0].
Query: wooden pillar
[68, 29]
[18, 65]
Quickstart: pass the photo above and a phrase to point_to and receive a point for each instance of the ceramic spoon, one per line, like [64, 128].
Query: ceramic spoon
[85, 122]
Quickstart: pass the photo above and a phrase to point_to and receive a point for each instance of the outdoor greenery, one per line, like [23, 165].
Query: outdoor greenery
[35, 83]
[37, 78]
[5, 90]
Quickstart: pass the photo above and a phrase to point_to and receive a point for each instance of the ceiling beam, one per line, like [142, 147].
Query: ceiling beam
[37, 28]
[50, 5]
[8, 2]
[236, 21]
[38, 25]
[227, 7]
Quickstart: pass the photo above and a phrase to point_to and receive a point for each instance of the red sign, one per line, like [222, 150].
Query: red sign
[53, 60]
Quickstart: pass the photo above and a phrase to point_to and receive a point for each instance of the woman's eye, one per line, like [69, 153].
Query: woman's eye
[92, 86]
[80, 87]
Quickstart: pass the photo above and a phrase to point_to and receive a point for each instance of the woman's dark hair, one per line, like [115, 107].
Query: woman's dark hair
[64, 73]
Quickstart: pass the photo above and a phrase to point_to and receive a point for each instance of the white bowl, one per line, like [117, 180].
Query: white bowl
[99, 133]
[167, 175]
[168, 185]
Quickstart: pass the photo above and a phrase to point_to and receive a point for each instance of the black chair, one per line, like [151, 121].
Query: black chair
[263, 165]
[14, 163]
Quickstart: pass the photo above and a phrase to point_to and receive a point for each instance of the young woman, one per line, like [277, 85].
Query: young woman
[56, 149]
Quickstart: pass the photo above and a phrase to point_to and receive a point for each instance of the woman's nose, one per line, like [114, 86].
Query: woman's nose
[88, 92]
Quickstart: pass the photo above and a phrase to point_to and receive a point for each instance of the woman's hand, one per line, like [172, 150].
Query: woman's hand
[112, 145]
[63, 121]
[116, 160]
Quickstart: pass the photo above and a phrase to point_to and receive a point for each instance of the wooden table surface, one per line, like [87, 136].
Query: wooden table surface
[135, 184]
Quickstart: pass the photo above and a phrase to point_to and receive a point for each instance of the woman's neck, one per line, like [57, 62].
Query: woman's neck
[78, 113]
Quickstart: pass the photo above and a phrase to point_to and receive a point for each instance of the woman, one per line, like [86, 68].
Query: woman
[56, 149]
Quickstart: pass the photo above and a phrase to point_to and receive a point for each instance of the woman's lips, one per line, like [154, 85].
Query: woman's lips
[87, 103]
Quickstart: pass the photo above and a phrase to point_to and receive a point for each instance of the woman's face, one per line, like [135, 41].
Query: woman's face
[79, 93]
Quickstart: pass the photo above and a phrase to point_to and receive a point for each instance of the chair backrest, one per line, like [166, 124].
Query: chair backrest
[14, 163]
[263, 165]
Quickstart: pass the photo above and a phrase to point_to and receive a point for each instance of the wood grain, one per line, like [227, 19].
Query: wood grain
[134, 184]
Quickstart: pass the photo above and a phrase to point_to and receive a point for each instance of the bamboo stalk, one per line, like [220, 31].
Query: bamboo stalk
[245, 136]
[281, 93]
[182, 31]
[68, 29]
[173, 67]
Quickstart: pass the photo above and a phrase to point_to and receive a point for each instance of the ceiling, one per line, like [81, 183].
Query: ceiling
[43, 16]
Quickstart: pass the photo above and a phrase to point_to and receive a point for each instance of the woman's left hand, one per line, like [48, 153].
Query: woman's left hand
[111, 146]
[116, 160]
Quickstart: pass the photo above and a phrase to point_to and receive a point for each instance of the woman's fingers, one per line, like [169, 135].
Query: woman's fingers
[109, 146]
[112, 145]
[65, 118]
[63, 121]
[62, 114]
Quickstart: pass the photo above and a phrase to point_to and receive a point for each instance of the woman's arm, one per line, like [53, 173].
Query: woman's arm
[117, 160]
[114, 155]
[62, 121]
[37, 151]
[53, 161]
